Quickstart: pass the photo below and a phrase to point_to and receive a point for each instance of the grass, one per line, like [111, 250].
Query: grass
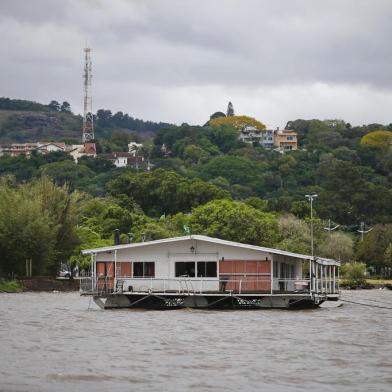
[379, 281]
[10, 286]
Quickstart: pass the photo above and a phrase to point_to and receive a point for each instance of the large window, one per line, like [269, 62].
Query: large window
[203, 269]
[144, 269]
[206, 269]
[185, 268]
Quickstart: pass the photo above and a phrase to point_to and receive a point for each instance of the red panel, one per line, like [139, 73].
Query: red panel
[125, 268]
[100, 269]
[264, 266]
[226, 266]
[105, 269]
[251, 273]
[110, 268]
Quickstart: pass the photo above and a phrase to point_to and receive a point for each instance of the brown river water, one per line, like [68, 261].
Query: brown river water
[54, 342]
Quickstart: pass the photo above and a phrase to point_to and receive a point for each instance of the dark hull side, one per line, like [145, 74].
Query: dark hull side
[199, 301]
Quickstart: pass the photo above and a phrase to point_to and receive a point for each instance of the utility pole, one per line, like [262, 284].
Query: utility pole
[310, 198]
[363, 231]
[329, 228]
[88, 118]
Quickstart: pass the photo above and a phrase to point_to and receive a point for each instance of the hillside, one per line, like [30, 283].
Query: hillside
[203, 178]
[27, 121]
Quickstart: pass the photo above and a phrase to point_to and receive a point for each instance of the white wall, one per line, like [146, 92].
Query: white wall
[166, 254]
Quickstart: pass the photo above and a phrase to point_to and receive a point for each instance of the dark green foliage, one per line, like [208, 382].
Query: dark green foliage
[374, 249]
[201, 177]
[235, 221]
[106, 121]
[161, 191]
[37, 222]
[20, 104]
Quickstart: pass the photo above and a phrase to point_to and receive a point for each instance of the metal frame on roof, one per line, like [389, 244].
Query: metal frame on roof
[319, 260]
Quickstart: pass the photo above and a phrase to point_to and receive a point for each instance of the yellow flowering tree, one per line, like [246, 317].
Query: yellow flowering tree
[237, 122]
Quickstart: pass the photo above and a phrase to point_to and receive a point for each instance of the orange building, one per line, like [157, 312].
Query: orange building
[285, 140]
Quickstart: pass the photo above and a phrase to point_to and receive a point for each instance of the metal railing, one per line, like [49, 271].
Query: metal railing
[224, 284]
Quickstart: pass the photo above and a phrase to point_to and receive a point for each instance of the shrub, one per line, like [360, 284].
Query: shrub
[353, 274]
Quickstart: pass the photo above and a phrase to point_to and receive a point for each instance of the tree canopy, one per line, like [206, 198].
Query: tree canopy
[237, 122]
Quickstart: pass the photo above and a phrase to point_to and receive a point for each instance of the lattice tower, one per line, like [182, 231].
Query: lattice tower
[88, 118]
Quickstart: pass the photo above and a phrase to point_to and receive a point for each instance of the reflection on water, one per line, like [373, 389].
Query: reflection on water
[51, 342]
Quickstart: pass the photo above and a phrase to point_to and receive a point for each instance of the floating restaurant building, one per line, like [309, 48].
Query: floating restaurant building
[203, 272]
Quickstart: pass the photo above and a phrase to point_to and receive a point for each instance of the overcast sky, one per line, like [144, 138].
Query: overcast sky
[181, 60]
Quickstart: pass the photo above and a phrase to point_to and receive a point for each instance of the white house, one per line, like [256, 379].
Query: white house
[207, 268]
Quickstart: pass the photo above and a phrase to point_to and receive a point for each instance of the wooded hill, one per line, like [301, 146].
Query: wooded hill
[205, 178]
[26, 121]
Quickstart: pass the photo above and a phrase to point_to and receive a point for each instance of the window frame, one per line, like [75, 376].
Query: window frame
[195, 266]
[144, 269]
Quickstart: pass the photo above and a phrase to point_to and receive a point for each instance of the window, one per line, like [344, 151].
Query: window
[144, 269]
[206, 269]
[185, 268]
[276, 271]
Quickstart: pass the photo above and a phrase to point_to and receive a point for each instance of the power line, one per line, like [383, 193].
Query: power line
[329, 228]
[370, 305]
[363, 231]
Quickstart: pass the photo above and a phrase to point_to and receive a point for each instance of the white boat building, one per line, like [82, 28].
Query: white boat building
[204, 272]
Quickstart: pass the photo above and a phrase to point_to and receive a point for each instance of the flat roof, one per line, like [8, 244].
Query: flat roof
[204, 238]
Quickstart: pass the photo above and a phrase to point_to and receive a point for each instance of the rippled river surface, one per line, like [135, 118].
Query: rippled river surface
[53, 342]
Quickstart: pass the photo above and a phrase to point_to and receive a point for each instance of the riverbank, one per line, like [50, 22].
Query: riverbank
[39, 283]
[10, 286]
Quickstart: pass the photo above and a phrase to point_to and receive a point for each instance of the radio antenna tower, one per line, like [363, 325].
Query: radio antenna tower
[88, 119]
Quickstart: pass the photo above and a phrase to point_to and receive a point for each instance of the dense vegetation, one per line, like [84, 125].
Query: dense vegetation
[26, 121]
[205, 179]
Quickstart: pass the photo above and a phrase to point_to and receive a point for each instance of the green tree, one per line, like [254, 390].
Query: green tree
[37, 222]
[54, 105]
[373, 248]
[65, 107]
[294, 234]
[235, 221]
[88, 239]
[353, 274]
[66, 172]
[338, 246]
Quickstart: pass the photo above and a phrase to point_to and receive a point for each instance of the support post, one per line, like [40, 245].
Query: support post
[338, 279]
[272, 275]
[115, 271]
[321, 278]
[334, 279]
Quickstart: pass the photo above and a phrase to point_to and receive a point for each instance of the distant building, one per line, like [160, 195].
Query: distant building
[250, 134]
[51, 147]
[17, 149]
[285, 140]
[127, 159]
[75, 150]
[282, 140]
[80, 150]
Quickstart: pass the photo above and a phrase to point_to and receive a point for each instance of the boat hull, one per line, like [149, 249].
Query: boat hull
[201, 301]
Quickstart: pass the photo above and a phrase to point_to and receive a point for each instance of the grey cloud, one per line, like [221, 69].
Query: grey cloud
[217, 48]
